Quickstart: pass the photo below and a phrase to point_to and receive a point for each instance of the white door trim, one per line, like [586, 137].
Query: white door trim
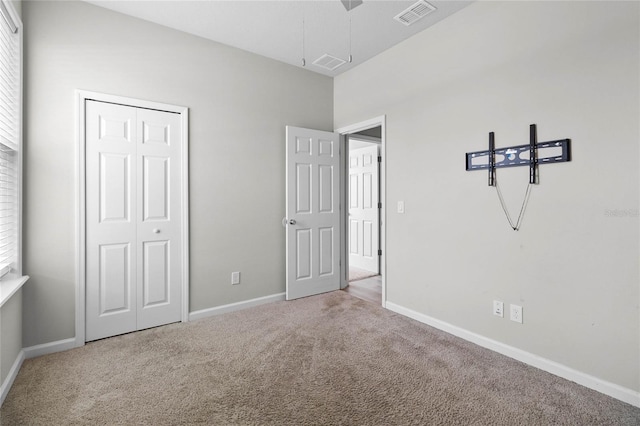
[81, 96]
[347, 130]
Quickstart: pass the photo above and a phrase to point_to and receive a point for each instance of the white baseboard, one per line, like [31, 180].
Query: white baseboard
[204, 313]
[13, 373]
[66, 344]
[49, 348]
[611, 389]
[32, 352]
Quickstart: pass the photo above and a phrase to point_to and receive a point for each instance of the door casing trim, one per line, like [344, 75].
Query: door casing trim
[81, 96]
[344, 258]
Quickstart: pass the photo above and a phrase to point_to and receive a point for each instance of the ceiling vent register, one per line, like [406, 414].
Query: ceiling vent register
[328, 62]
[416, 12]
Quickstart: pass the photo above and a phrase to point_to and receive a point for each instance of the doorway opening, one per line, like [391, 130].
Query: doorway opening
[363, 215]
[363, 225]
[317, 238]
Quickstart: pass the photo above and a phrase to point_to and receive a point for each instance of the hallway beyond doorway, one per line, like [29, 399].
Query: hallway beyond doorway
[367, 288]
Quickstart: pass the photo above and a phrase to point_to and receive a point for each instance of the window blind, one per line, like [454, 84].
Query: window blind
[10, 122]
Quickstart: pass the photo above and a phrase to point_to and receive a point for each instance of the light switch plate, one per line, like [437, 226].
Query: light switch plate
[498, 308]
[235, 278]
[400, 206]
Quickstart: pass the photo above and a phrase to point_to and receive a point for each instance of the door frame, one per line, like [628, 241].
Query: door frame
[81, 96]
[344, 227]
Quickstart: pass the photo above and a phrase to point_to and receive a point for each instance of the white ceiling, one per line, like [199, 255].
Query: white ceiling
[274, 28]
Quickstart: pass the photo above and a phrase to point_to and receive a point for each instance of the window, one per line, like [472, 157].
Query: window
[10, 140]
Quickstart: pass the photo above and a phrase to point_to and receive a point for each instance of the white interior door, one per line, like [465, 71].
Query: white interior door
[133, 233]
[363, 208]
[313, 212]
[111, 220]
[159, 275]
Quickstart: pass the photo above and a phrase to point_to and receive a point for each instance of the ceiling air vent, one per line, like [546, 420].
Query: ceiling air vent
[328, 62]
[415, 13]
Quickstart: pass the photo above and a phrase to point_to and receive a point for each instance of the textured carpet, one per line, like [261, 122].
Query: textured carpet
[323, 360]
[356, 274]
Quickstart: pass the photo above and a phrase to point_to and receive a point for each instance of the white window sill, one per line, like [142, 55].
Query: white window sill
[9, 287]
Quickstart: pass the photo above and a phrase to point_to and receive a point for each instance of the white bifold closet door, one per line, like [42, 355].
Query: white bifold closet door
[133, 232]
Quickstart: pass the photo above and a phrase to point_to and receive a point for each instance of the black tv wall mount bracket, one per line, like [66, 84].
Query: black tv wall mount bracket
[532, 155]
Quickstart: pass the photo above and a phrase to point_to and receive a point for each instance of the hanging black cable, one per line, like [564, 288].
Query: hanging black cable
[304, 62]
[506, 210]
[350, 57]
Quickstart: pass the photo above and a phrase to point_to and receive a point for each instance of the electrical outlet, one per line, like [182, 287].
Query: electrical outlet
[235, 278]
[400, 206]
[498, 308]
[516, 313]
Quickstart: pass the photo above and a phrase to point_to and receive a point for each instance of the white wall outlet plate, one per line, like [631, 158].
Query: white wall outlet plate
[400, 206]
[235, 278]
[498, 308]
[516, 313]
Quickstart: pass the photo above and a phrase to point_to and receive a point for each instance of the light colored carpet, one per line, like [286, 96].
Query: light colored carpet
[324, 360]
[356, 274]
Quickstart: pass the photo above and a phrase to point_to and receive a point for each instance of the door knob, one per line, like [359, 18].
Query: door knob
[286, 222]
[156, 231]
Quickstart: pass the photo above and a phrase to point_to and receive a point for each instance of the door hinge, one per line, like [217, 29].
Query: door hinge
[379, 205]
[379, 252]
[379, 159]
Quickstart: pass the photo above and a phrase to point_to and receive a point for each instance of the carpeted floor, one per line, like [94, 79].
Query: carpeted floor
[324, 360]
[356, 274]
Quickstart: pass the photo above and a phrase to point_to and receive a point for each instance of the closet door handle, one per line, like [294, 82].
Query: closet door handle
[156, 231]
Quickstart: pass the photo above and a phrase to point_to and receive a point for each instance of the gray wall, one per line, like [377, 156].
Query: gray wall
[239, 106]
[570, 67]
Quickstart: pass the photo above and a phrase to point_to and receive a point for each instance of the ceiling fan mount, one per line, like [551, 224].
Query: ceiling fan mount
[350, 4]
